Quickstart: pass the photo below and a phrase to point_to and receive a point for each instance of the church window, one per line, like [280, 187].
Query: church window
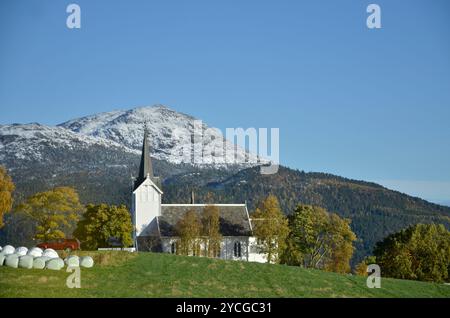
[237, 249]
[173, 248]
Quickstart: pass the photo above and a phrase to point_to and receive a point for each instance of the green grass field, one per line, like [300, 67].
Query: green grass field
[122, 274]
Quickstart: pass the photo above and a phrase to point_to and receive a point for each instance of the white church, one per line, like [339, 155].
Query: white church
[154, 223]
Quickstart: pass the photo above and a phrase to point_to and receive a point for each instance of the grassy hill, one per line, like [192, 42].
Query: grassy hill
[121, 274]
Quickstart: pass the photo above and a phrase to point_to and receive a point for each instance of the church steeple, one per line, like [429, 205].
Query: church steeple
[146, 168]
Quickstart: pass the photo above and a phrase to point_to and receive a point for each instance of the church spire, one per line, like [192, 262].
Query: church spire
[146, 168]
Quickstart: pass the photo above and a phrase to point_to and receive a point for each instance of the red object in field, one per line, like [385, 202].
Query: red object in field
[61, 244]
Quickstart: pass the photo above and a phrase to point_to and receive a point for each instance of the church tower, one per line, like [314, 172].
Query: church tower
[146, 197]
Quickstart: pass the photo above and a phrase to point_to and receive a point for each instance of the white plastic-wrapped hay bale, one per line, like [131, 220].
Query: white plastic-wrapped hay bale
[72, 261]
[2, 259]
[35, 252]
[39, 262]
[26, 261]
[21, 251]
[12, 260]
[86, 262]
[8, 249]
[55, 264]
[49, 252]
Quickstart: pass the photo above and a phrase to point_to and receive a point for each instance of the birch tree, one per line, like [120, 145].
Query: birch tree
[6, 190]
[211, 231]
[270, 228]
[56, 212]
[188, 229]
[319, 239]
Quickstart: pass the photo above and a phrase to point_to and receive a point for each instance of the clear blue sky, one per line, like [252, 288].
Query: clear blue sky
[365, 104]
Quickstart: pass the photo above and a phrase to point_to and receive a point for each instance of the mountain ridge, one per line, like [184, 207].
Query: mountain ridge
[170, 133]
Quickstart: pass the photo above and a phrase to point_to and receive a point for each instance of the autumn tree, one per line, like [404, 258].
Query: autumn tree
[6, 190]
[55, 212]
[361, 267]
[100, 223]
[270, 228]
[211, 231]
[319, 239]
[420, 252]
[188, 229]
[341, 238]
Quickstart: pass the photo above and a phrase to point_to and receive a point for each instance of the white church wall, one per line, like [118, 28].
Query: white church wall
[255, 254]
[166, 245]
[228, 248]
[146, 206]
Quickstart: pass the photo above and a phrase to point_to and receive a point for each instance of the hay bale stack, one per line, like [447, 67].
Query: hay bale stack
[35, 252]
[49, 252]
[21, 251]
[87, 262]
[39, 262]
[26, 261]
[12, 260]
[72, 261]
[2, 259]
[55, 264]
[8, 249]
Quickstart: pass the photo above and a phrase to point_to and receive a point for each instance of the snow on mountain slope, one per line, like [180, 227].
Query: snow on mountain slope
[170, 135]
[34, 142]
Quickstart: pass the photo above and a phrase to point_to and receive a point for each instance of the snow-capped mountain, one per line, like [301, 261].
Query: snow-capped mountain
[103, 152]
[35, 142]
[171, 135]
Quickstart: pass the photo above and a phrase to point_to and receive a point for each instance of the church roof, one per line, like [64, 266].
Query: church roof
[234, 220]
